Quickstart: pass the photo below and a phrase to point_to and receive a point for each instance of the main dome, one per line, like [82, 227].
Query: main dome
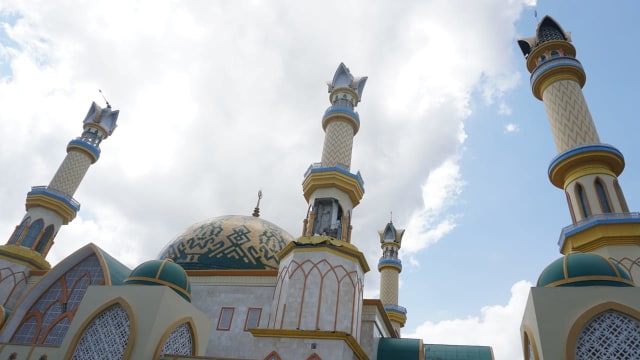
[232, 242]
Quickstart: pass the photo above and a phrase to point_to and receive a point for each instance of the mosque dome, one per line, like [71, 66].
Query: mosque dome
[232, 242]
[583, 269]
[161, 272]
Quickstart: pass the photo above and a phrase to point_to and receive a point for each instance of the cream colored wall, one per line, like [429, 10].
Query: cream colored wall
[588, 184]
[551, 313]
[627, 256]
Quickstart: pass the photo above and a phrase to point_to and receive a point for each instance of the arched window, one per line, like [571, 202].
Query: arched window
[44, 240]
[314, 356]
[620, 195]
[32, 234]
[554, 53]
[273, 356]
[582, 201]
[106, 337]
[609, 335]
[179, 342]
[602, 196]
[16, 235]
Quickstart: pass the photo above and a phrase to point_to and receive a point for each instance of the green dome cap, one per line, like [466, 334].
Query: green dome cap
[161, 272]
[583, 269]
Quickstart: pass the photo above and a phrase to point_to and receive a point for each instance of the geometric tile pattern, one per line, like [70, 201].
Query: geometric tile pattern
[106, 337]
[609, 335]
[230, 242]
[70, 173]
[569, 117]
[179, 342]
[389, 286]
[338, 142]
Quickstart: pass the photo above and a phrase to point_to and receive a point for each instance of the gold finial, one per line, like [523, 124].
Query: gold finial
[256, 211]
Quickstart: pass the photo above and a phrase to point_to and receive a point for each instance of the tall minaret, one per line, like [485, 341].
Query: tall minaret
[586, 169]
[329, 187]
[390, 267]
[49, 207]
[319, 290]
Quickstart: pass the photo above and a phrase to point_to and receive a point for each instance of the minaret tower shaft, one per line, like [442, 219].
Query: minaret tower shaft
[50, 207]
[329, 187]
[390, 267]
[586, 169]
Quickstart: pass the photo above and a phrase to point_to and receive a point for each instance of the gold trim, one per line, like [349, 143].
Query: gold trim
[24, 256]
[587, 316]
[567, 47]
[585, 163]
[400, 319]
[84, 151]
[333, 179]
[341, 117]
[602, 235]
[325, 243]
[196, 273]
[103, 263]
[556, 74]
[589, 278]
[174, 325]
[385, 317]
[89, 319]
[392, 266]
[527, 335]
[58, 206]
[161, 282]
[358, 352]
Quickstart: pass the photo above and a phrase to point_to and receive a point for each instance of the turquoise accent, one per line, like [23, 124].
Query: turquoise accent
[597, 219]
[162, 272]
[93, 149]
[316, 169]
[583, 269]
[342, 110]
[582, 149]
[384, 261]
[553, 63]
[400, 349]
[396, 309]
[118, 272]
[457, 352]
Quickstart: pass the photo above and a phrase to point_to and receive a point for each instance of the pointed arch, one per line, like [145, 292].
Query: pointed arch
[611, 315]
[108, 333]
[583, 203]
[603, 197]
[273, 356]
[529, 345]
[19, 230]
[314, 356]
[180, 338]
[571, 211]
[32, 234]
[44, 239]
[620, 195]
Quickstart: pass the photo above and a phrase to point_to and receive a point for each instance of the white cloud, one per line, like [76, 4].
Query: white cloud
[511, 128]
[497, 326]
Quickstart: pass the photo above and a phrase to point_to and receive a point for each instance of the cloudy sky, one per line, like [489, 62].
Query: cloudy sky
[220, 99]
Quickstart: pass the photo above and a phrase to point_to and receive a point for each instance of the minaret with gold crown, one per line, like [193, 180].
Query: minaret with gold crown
[50, 207]
[317, 304]
[390, 267]
[586, 169]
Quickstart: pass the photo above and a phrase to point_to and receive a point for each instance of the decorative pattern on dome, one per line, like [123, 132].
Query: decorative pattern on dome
[583, 269]
[230, 242]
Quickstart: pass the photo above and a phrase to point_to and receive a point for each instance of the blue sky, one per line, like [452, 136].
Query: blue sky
[218, 101]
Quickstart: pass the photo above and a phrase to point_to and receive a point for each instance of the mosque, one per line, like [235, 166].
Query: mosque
[241, 287]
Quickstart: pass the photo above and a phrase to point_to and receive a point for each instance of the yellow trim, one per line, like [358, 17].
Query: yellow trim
[587, 316]
[589, 278]
[174, 325]
[24, 256]
[358, 352]
[555, 74]
[161, 282]
[567, 47]
[196, 273]
[383, 313]
[80, 149]
[391, 266]
[58, 206]
[400, 319]
[601, 235]
[527, 335]
[89, 319]
[586, 163]
[325, 243]
[333, 179]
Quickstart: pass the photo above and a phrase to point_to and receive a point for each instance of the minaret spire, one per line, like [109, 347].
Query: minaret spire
[586, 169]
[329, 187]
[390, 267]
[49, 207]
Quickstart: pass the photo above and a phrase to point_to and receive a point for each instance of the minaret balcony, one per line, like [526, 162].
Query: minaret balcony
[391, 263]
[395, 308]
[345, 113]
[341, 168]
[55, 200]
[555, 69]
[600, 230]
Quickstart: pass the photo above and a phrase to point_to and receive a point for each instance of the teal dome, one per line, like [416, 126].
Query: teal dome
[583, 269]
[232, 242]
[161, 272]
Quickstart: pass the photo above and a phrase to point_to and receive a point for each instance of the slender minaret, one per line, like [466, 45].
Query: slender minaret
[586, 169]
[390, 267]
[49, 207]
[319, 289]
[329, 187]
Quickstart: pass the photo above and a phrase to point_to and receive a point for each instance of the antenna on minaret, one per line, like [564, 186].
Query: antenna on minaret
[535, 14]
[105, 99]
[390, 216]
[256, 211]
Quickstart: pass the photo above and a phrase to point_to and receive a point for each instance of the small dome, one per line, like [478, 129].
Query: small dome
[161, 272]
[583, 269]
[232, 242]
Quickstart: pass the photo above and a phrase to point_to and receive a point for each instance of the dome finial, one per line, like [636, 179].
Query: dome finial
[256, 211]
